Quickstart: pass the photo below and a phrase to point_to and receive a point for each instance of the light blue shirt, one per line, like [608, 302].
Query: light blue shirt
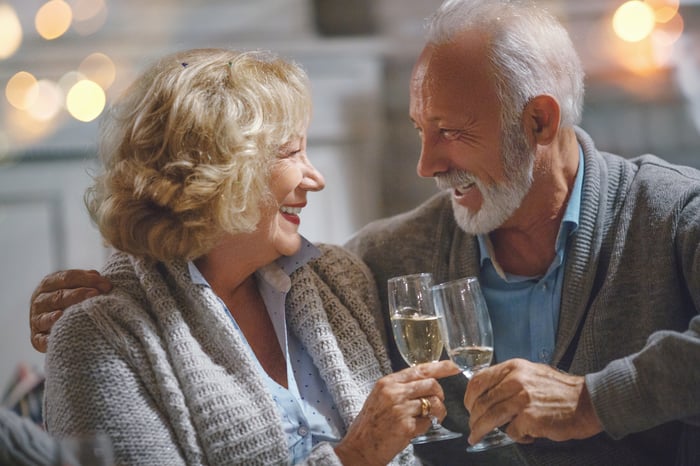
[525, 310]
[309, 415]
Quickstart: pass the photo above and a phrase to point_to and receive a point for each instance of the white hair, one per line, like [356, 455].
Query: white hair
[530, 51]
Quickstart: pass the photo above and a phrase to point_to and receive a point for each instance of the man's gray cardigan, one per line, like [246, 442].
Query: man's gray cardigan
[629, 309]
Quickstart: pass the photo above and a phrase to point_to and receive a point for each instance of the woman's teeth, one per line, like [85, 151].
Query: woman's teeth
[290, 210]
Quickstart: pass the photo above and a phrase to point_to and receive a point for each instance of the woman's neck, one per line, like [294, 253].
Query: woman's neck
[231, 264]
[230, 269]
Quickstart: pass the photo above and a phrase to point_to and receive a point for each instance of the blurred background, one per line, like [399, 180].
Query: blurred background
[62, 61]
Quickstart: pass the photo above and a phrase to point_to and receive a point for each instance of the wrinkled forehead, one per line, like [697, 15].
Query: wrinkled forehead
[453, 75]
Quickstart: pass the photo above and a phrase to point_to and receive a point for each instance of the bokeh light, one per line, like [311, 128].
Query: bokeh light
[664, 10]
[88, 16]
[99, 68]
[25, 129]
[53, 19]
[84, 10]
[633, 21]
[69, 80]
[669, 32]
[10, 31]
[85, 100]
[637, 57]
[48, 102]
[21, 90]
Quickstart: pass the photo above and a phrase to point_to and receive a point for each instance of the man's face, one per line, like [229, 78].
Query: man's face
[456, 110]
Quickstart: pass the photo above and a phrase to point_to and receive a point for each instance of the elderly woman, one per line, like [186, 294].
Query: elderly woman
[227, 338]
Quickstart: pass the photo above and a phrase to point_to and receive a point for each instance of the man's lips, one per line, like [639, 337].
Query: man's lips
[462, 190]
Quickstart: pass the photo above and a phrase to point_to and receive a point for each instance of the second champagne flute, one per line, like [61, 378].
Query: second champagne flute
[416, 332]
[466, 331]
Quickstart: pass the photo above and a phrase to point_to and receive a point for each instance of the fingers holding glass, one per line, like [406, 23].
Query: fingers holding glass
[425, 407]
[415, 329]
[466, 330]
[400, 406]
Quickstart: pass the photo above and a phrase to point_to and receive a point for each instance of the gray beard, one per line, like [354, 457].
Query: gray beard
[500, 201]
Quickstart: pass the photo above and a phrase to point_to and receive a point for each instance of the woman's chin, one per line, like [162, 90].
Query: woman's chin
[289, 246]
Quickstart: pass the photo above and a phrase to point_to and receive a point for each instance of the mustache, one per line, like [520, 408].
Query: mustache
[454, 179]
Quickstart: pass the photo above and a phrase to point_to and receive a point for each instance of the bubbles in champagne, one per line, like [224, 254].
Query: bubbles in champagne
[417, 337]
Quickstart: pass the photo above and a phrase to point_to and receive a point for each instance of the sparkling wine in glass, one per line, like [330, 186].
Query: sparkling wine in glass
[416, 332]
[466, 331]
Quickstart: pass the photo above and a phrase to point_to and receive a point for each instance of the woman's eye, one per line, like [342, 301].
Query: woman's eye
[286, 153]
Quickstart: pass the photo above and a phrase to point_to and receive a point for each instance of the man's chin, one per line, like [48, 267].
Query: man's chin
[475, 223]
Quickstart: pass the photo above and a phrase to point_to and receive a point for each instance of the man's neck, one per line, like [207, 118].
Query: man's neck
[525, 243]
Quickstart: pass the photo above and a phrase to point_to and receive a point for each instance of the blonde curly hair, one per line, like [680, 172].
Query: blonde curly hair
[186, 150]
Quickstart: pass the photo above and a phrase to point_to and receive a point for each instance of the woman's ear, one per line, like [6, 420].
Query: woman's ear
[541, 119]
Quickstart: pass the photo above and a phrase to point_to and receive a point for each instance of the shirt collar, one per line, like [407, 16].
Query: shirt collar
[569, 222]
[276, 273]
[573, 208]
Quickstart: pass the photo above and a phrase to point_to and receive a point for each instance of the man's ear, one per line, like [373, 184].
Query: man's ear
[541, 119]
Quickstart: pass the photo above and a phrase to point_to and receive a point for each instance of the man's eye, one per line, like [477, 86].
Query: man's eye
[450, 134]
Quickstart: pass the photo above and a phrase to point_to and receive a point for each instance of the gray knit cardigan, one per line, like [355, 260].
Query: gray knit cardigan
[629, 310]
[157, 365]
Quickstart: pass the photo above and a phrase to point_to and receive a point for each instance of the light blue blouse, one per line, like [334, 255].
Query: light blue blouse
[308, 412]
[525, 310]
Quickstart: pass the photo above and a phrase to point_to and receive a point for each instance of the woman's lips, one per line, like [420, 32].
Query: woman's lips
[291, 214]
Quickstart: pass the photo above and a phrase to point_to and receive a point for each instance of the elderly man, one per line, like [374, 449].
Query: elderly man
[590, 263]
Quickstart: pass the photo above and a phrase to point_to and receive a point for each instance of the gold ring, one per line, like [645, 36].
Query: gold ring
[425, 407]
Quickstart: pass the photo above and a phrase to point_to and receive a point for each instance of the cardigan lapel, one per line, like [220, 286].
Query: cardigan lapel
[583, 254]
[308, 318]
[216, 388]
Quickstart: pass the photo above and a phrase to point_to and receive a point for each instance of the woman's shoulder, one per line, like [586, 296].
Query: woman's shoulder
[112, 320]
[98, 313]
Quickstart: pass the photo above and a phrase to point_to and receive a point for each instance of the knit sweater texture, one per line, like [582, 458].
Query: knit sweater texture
[23, 443]
[629, 310]
[157, 365]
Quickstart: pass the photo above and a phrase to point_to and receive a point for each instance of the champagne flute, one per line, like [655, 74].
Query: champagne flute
[466, 330]
[415, 328]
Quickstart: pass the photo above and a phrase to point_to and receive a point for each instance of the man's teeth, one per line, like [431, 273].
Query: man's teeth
[464, 188]
[290, 210]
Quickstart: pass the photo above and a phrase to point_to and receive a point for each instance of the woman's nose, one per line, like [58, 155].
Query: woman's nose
[313, 179]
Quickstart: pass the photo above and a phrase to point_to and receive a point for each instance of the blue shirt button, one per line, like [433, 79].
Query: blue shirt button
[303, 431]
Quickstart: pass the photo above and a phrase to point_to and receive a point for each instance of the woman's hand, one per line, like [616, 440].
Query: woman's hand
[56, 292]
[393, 414]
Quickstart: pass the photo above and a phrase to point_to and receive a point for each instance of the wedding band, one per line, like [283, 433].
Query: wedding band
[425, 407]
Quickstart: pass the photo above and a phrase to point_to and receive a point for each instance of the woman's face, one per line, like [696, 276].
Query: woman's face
[291, 177]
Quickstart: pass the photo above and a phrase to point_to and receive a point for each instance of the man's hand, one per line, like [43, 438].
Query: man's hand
[536, 400]
[57, 292]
